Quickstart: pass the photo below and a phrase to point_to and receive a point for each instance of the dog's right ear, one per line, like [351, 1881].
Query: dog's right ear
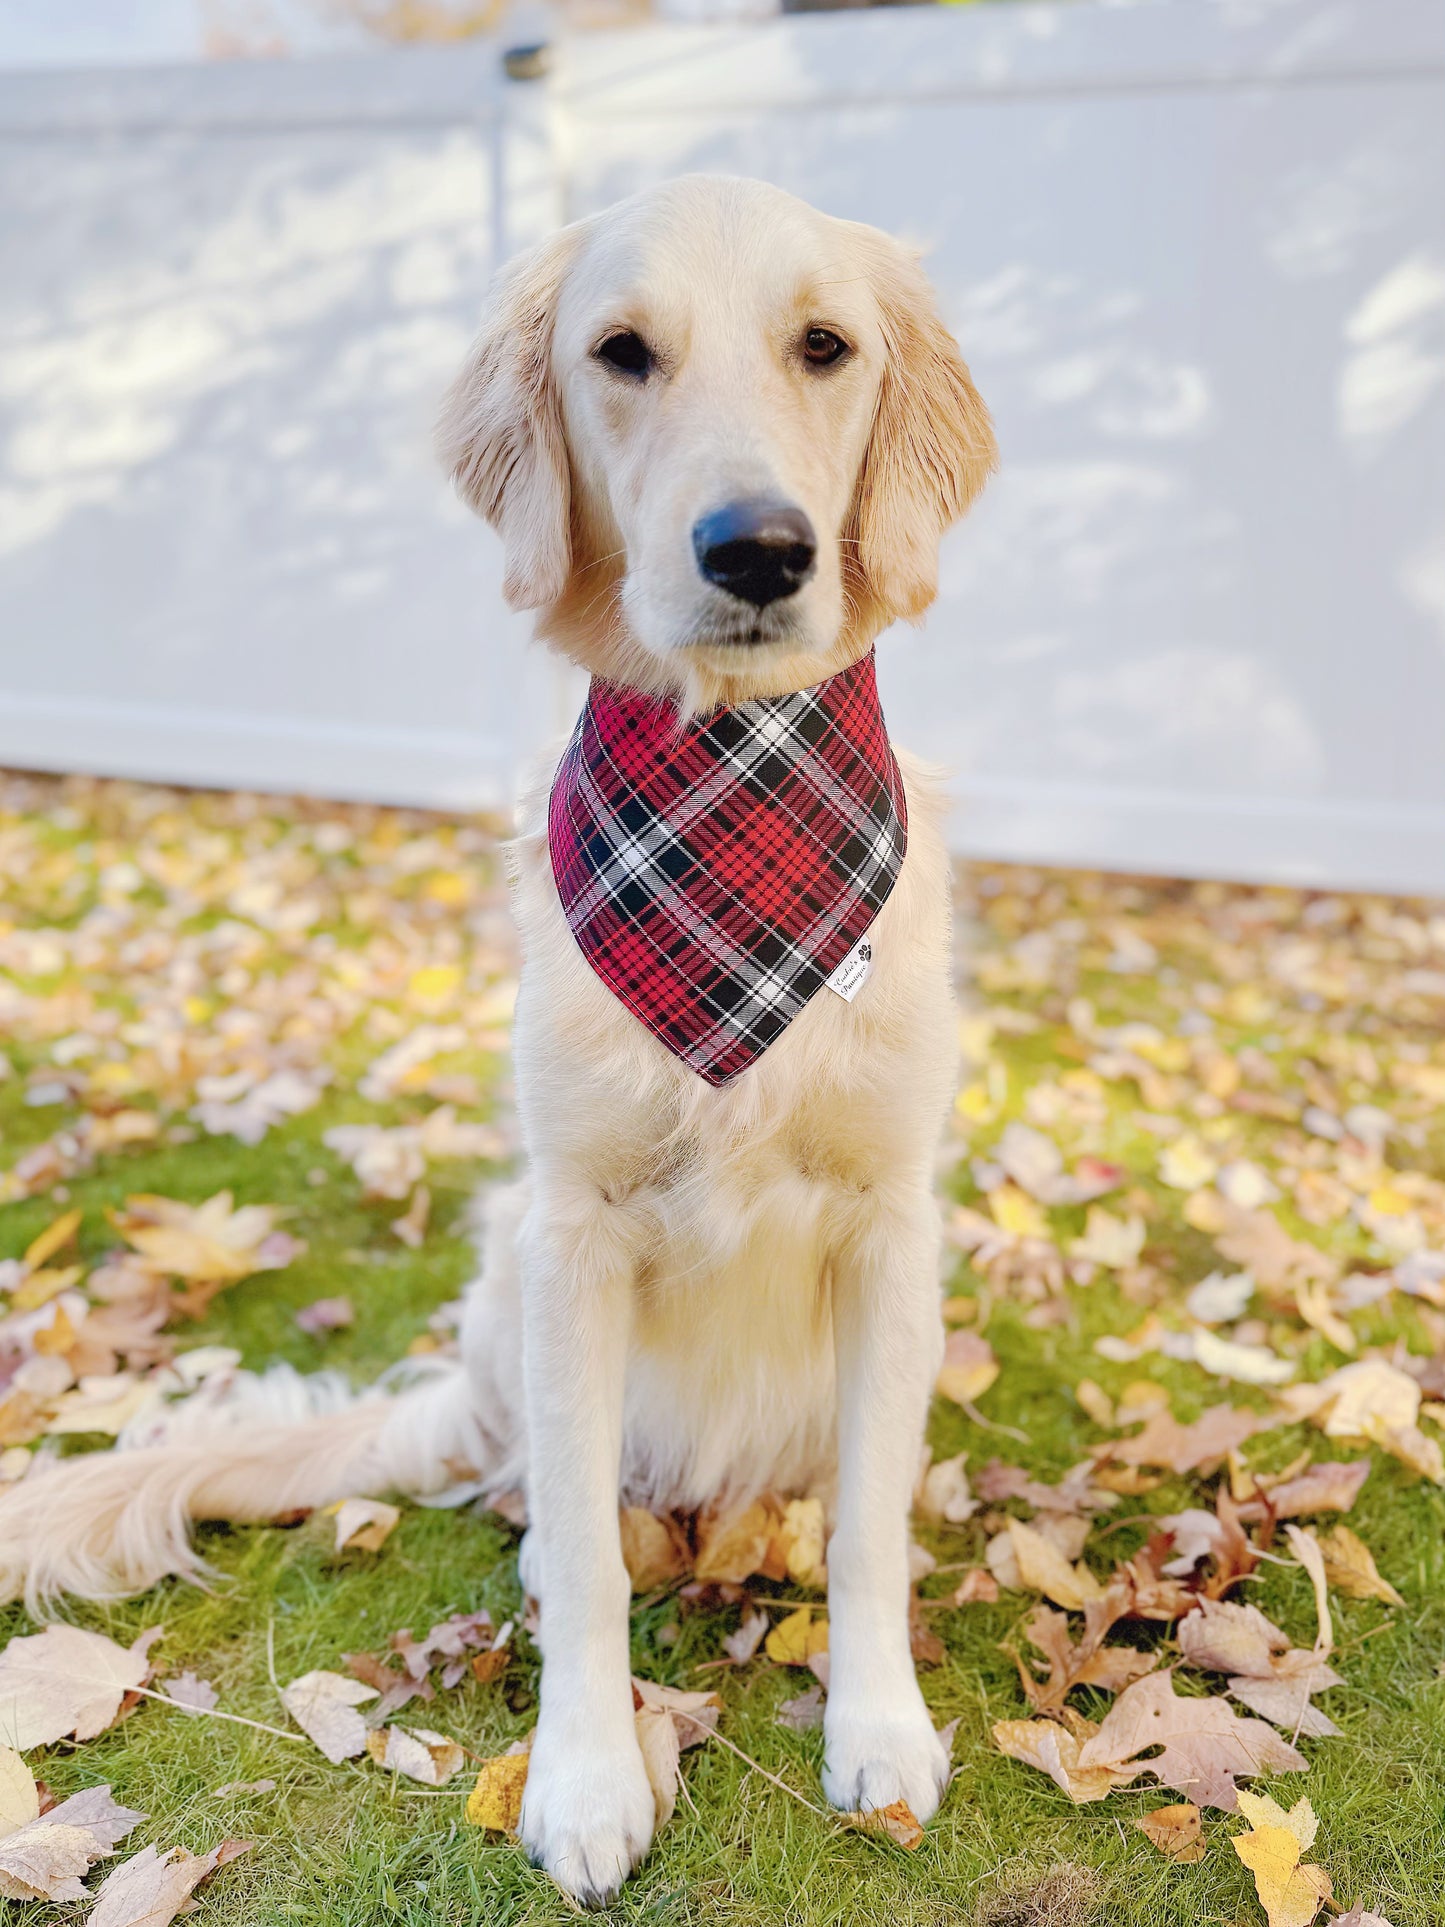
[500, 434]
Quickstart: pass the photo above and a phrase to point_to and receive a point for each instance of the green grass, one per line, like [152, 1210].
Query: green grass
[349, 1845]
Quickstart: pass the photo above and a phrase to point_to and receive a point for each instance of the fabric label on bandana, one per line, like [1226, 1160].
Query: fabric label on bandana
[718, 872]
[851, 975]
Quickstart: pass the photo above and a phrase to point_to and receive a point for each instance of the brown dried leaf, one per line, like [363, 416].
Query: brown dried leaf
[969, 1367]
[1206, 1745]
[324, 1706]
[1056, 1750]
[1090, 1663]
[1176, 1831]
[1188, 1448]
[653, 1550]
[46, 1858]
[152, 1887]
[897, 1820]
[1350, 1567]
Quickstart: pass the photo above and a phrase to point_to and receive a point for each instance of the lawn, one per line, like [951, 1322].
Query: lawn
[163, 955]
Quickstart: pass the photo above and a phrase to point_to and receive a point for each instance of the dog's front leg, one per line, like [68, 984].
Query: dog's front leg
[880, 1744]
[588, 1810]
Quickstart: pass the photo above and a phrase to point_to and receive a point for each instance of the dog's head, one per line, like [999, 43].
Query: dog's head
[720, 435]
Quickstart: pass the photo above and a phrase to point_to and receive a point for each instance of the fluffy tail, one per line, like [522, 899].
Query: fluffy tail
[114, 1523]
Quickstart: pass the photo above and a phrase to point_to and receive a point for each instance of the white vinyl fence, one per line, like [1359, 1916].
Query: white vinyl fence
[1195, 252]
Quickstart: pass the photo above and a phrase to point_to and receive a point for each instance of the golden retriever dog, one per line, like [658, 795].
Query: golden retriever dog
[697, 1292]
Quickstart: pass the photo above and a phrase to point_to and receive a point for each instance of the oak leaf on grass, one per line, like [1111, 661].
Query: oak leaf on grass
[66, 1682]
[1206, 1745]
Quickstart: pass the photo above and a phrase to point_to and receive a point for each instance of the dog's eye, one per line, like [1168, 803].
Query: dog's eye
[628, 353]
[822, 347]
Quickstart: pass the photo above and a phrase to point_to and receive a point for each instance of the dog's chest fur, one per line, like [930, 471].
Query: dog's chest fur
[732, 1200]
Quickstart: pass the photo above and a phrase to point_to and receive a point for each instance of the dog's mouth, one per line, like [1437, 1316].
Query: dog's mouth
[745, 633]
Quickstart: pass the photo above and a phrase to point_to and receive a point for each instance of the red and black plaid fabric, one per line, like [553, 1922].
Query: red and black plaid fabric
[716, 872]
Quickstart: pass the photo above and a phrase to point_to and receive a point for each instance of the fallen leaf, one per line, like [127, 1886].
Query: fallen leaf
[668, 1722]
[732, 1548]
[363, 1525]
[411, 1226]
[208, 1243]
[55, 1237]
[1332, 1485]
[1044, 1569]
[187, 1690]
[418, 1754]
[1205, 1743]
[969, 1367]
[324, 1706]
[1176, 1831]
[943, 1492]
[653, 1551]
[325, 1315]
[1187, 1448]
[976, 1587]
[803, 1713]
[795, 1639]
[19, 1797]
[47, 1858]
[66, 1682]
[1291, 1893]
[495, 1802]
[802, 1539]
[152, 1887]
[1114, 1243]
[897, 1820]
[1089, 1663]
[1056, 1750]
[1350, 1567]
[740, 1646]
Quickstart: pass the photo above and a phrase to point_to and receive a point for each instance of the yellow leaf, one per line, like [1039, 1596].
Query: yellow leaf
[1291, 1894]
[1350, 1567]
[897, 1820]
[495, 1802]
[651, 1550]
[969, 1367]
[363, 1525]
[1176, 1831]
[1043, 1568]
[804, 1536]
[974, 1103]
[1185, 1165]
[794, 1640]
[57, 1338]
[449, 887]
[41, 1286]
[1014, 1211]
[53, 1238]
[435, 983]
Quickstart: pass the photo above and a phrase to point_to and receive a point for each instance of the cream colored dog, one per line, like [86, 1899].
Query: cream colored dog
[696, 1294]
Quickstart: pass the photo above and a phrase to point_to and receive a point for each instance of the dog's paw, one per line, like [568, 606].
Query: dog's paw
[874, 1756]
[587, 1813]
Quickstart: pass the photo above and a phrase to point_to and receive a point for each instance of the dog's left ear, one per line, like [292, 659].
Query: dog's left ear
[500, 433]
[932, 446]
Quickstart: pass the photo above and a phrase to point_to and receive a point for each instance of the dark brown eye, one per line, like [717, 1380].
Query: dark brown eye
[822, 347]
[628, 353]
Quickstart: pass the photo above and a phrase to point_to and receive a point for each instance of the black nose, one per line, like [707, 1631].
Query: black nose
[758, 550]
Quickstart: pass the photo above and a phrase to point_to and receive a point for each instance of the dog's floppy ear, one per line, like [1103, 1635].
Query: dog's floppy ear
[500, 434]
[931, 448]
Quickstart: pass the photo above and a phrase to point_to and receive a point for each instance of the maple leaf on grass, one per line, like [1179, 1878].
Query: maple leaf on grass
[324, 1706]
[1206, 1745]
[47, 1857]
[66, 1682]
[1089, 1663]
[1186, 1448]
[1267, 1674]
[210, 1243]
[897, 1820]
[668, 1722]
[969, 1367]
[152, 1888]
[1290, 1890]
[1055, 1749]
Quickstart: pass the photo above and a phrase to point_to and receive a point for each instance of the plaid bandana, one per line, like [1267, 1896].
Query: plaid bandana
[715, 873]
